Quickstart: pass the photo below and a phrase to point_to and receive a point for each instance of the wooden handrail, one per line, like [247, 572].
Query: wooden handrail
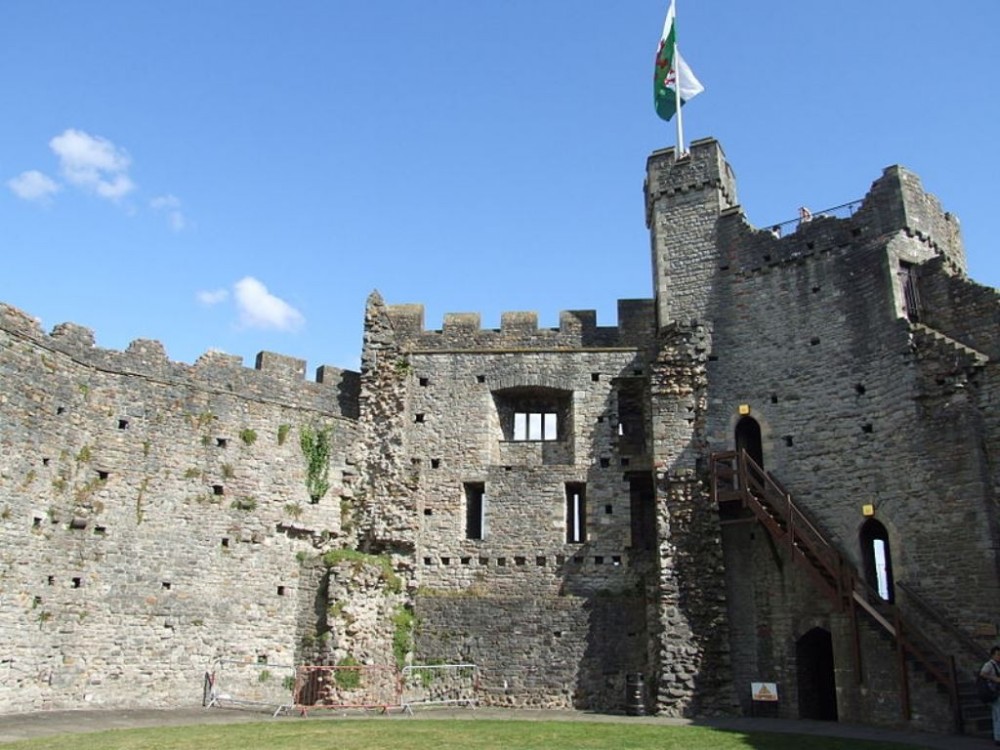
[736, 476]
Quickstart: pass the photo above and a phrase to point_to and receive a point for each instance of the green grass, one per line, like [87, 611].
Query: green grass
[433, 734]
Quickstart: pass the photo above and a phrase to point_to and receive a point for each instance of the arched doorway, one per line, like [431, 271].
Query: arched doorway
[748, 439]
[817, 686]
[876, 559]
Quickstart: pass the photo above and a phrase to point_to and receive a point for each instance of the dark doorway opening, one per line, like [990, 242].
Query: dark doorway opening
[748, 439]
[817, 686]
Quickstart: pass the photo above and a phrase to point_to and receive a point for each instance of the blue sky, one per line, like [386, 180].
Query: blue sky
[240, 176]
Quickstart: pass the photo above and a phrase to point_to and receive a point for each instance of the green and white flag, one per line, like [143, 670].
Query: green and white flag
[671, 71]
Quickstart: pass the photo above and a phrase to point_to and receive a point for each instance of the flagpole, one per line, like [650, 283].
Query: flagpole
[677, 90]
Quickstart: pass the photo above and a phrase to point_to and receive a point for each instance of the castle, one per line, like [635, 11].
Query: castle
[781, 468]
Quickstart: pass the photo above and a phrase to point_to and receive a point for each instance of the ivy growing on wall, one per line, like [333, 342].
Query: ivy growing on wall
[315, 444]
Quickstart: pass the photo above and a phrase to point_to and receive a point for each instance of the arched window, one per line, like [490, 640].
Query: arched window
[876, 558]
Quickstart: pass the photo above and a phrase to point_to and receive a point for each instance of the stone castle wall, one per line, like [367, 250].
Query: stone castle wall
[154, 516]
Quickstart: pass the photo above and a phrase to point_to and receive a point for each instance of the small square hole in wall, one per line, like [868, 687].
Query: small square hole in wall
[866, 428]
[435, 463]
[262, 658]
[102, 475]
[599, 560]
[446, 561]
[428, 512]
[423, 382]
[225, 541]
[788, 440]
[856, 232]
[100, 530]
[427, 561]
[600, 420]
[814, 341]
[860, 389]
[218, 489]
[540, 561]
[45, 461]
[484, 561]
[518, 560]
[60, 410]
[480, 378]
[415, 461]
[774, 398]
[616, 559]
[166, 585]
[419, 418]
[625, 462]
[811, 245]
[713, 358]
[466, 560]
[51, 580]
[36, 522]
[560, 559]
[37, 601]
[78, 523]
[815, 289]
[507, 468]
[595, 377]
[557, 634]
[578, 560]
[605, 463]
[501, 561]
[609, 509]
[281, 590]
[77, 583]
[221, 442]
[122, 424]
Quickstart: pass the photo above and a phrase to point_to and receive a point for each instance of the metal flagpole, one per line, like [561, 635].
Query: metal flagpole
[677, 88]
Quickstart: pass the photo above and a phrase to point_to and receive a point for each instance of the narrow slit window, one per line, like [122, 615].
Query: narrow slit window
[576, 513]
[475, 510]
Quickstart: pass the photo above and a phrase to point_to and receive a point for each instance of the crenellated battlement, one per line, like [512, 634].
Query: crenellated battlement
[274, 377]
[577, 329]
[895, 203]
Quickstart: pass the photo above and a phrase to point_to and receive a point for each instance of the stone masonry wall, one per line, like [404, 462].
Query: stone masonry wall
[152, 516]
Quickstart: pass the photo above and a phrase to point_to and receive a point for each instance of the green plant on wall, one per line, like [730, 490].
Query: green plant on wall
[245, 503]
[349, 677]
[402, 635]
[283, 430]
[83, 455]
[248, 436]
[315, 444]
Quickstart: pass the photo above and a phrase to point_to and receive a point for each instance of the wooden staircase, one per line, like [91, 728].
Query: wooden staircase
[736, 477]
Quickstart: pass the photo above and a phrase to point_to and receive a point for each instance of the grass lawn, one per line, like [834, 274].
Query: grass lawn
[432, 734]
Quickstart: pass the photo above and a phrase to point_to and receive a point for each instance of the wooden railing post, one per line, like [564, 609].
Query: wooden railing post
[904, 682]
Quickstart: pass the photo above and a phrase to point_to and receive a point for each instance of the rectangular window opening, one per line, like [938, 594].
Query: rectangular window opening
[535, 426]
[475, 510]
[576, 513]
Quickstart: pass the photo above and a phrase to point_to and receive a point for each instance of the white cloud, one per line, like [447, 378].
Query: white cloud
[33, 186]
[213, 297]
[93, 163]
[171, 205]
[261, 309]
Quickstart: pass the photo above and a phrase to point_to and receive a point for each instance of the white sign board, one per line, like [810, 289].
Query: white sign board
[764, 691]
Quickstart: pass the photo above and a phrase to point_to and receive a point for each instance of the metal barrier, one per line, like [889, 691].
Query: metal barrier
[346, 687]
[438, 684]
[233, 683]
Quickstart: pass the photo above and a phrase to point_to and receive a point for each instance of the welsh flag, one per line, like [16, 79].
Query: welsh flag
[669, 68]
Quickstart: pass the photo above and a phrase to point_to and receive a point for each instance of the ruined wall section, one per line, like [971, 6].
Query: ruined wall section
[153, 515]
[550, 622]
